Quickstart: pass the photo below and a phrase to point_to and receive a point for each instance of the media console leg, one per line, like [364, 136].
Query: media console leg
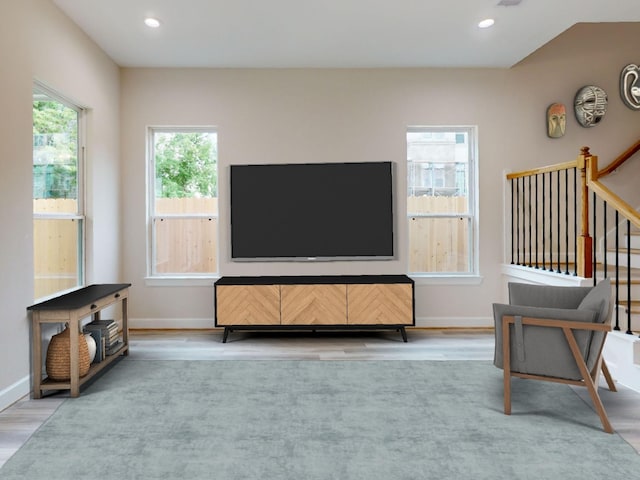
[403, 332]
[225, 334]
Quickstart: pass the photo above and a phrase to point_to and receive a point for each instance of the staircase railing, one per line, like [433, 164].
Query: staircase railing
[558, 227]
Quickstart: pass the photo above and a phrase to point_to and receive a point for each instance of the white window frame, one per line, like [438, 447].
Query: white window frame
[80, 215]
[473, 275]
[180, 279]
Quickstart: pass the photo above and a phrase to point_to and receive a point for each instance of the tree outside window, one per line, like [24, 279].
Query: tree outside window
[184, 203]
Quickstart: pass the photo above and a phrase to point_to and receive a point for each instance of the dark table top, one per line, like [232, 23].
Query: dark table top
[81, 297]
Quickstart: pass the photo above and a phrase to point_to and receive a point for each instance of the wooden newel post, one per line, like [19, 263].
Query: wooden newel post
[584, 255]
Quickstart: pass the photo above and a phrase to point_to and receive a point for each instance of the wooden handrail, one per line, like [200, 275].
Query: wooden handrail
[549, 168]
[613, 200]
[626, 155]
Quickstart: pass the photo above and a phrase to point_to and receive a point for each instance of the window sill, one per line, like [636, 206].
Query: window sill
[181, 281]
[420, 279]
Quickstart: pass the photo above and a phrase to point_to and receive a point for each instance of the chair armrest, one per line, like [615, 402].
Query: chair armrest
[558, 323]
[571, 315]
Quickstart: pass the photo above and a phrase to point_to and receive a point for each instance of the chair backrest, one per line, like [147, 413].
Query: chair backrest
[547, 296]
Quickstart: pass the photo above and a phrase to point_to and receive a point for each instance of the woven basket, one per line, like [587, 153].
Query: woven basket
[58, 356]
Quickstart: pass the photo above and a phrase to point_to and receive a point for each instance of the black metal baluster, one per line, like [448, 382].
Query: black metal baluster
[536, 203]
[566, 221]
[575, 221]
[604, 238]
[513, 232]
[558, 221]
[530, 258]
[617, 325]
[517, 221]
[551, 221]
[544, 232]
[629, 332]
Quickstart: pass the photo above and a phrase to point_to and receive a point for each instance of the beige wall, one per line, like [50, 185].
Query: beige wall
[38, 42]
[306, 115]
[303, 115]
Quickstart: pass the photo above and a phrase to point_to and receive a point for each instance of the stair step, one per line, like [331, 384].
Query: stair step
[634, 306]
[633, 240]
[634, 254]
[622, 317]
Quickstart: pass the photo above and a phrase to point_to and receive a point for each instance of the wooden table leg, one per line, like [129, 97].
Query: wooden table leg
[125, 324]
[74, 338]
[36, 354]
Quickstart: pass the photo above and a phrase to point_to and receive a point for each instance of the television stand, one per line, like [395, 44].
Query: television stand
[333, 302]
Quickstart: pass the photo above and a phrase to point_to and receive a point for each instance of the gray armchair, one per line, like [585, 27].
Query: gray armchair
[554, 334]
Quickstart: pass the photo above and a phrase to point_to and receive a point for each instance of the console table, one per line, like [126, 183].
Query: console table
[357, 302]
[72, 308]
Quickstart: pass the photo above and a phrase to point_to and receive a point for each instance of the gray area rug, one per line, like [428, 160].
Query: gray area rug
[307, 420]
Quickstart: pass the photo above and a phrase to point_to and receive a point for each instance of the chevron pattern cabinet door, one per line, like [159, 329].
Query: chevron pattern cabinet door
[314, 304]
[380, 304]
[248, 305]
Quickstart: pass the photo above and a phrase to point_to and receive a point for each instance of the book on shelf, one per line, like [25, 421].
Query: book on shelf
[114, 348]
[108, 324]
[108, 328]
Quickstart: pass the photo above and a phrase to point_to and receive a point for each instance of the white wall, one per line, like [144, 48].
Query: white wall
[307, 115]
[38, 42]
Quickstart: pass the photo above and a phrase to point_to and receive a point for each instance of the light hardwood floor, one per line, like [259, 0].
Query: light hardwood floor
[18, 422]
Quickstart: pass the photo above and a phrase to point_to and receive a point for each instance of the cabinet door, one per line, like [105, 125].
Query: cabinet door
[248, 305]
[314, 304]
[380, 304]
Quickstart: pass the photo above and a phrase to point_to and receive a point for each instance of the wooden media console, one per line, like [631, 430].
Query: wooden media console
[315, 303]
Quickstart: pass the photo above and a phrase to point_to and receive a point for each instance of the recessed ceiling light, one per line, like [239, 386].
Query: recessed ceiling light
[486, 23]
[152, 22]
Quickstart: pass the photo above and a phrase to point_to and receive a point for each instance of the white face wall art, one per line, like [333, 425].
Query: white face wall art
[590, 105]
[630, 86]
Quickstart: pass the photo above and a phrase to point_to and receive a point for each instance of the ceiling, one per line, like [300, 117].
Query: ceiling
[332, 33]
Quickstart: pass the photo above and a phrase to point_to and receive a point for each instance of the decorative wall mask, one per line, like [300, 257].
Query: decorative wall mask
[630, 86]
[590, 105]
[556, 120]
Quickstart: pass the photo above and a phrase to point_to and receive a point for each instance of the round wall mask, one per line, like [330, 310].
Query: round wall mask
[590, 105]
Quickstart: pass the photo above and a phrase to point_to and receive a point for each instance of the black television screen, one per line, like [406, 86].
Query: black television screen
[312, 211]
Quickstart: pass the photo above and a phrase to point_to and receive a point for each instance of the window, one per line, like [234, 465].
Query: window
[183, 202]
[441, 183]
[58, 210]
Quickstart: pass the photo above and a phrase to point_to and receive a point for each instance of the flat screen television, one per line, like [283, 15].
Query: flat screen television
[312, 211]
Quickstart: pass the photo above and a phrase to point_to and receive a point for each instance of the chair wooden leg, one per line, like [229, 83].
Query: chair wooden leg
[607, 377]
[597, 403]
[588, 381]
[506, 366]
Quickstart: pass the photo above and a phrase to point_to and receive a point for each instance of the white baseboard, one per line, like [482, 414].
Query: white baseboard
[15, 392]
[206, 323]
[171, 323]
